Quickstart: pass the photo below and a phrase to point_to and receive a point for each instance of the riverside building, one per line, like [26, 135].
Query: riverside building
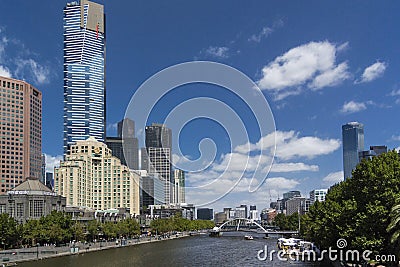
[92, 177]
[20, 133]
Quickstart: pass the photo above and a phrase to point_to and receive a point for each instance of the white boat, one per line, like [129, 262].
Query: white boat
[248, 237]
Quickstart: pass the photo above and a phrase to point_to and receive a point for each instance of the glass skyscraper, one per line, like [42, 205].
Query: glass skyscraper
[84, 72]
[353, 143]
[156, 158]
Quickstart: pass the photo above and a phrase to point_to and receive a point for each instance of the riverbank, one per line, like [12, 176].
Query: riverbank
[11, 257]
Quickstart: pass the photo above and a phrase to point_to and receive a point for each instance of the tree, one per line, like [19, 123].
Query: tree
[358, 209]
[8, 231]
[394, 227]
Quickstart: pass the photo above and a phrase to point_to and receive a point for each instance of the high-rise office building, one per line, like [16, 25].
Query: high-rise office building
[125, 146]
[91, 176]
[20, 131]
[205, 214]
[84, 72]
[353, 143]
[43, 169]
[179, 187]
[158, 156]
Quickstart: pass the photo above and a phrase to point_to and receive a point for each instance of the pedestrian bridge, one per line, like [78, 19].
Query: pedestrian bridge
[247, 225]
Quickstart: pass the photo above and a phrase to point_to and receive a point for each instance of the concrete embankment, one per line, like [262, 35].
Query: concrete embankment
[10, 257]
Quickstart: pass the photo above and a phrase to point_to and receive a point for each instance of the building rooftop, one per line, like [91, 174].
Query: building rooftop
[30, 186]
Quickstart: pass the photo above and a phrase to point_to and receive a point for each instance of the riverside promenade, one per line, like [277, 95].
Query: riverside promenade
[12, 256]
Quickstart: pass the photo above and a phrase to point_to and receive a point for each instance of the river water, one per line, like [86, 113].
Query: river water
[228, 250]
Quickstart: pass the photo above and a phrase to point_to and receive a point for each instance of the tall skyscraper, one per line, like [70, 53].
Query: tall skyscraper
[353, 143]
[125, 146]
[20, 132]
[158, 156]
[90, 176]
[84, 72]
[179, 187]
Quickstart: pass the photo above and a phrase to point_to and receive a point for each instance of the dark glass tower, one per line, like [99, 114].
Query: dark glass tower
[353, 143]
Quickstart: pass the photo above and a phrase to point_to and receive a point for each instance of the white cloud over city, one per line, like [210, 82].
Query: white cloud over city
[373, 72]
[312, 65]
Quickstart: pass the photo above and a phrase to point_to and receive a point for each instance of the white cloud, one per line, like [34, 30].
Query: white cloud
[373, 72]
[333, 178]
[293, 167]
[219, 52]
[112, 126]
[36, 71]
[289, 145]
[21, 62]
[312, 64]
[352, 107]
[265, 32]
[395, 138]
[331, 77]
[281, 183]
[5, 72]
[52, 161]
[395, 93]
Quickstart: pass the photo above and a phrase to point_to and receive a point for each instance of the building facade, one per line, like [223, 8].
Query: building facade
[353, 144]
[84, 72]
[299, 205]
[158, 156]
[31, 200]
[152, 190]
[205, 214]
[179, 187]
[92, 177]
[20, 131]
[318, 195]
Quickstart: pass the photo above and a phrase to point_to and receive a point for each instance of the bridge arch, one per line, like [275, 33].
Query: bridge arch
[242, 219]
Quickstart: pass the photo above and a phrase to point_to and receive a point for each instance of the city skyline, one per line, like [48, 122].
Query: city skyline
[354, 77]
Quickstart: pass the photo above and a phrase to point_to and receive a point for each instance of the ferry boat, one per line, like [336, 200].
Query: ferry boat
[248, 237]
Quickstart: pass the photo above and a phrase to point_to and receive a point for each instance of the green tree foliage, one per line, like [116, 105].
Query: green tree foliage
[178, 223]
[8, 231]
[394, 228]
[290, 222]
[358, 209]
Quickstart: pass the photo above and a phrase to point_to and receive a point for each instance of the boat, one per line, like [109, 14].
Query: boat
[248, 237]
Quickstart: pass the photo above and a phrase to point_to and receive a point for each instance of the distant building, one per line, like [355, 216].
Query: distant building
[91, 176]
[158, 156]
[353, 144]
[179, 187]
[125, 145]
[49, 180]
[220, 218]
[372, 152]
[205, 214]
[21, 133]
[84, 72]
[186, 211]
[31, 200]
[299, 205]
[268, 215]
[318, 195]
[43, 170]
[152, 190]
[253, 215]
[240, 212]
[291, 194]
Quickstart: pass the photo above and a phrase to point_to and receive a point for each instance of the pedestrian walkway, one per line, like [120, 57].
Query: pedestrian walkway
[7, 257]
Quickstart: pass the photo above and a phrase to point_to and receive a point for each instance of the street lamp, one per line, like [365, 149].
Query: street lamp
[37, 250]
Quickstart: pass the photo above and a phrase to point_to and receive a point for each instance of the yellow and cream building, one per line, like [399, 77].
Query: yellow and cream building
[91, 177]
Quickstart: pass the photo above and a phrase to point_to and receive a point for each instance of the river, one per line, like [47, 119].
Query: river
[228, 250]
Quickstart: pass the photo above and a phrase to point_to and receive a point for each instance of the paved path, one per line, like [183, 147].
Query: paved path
[42, 252]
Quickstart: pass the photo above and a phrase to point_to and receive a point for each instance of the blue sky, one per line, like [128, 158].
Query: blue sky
[319, 64]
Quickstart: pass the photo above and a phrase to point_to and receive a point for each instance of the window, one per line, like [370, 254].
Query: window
[20, 209]
[36, 208]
